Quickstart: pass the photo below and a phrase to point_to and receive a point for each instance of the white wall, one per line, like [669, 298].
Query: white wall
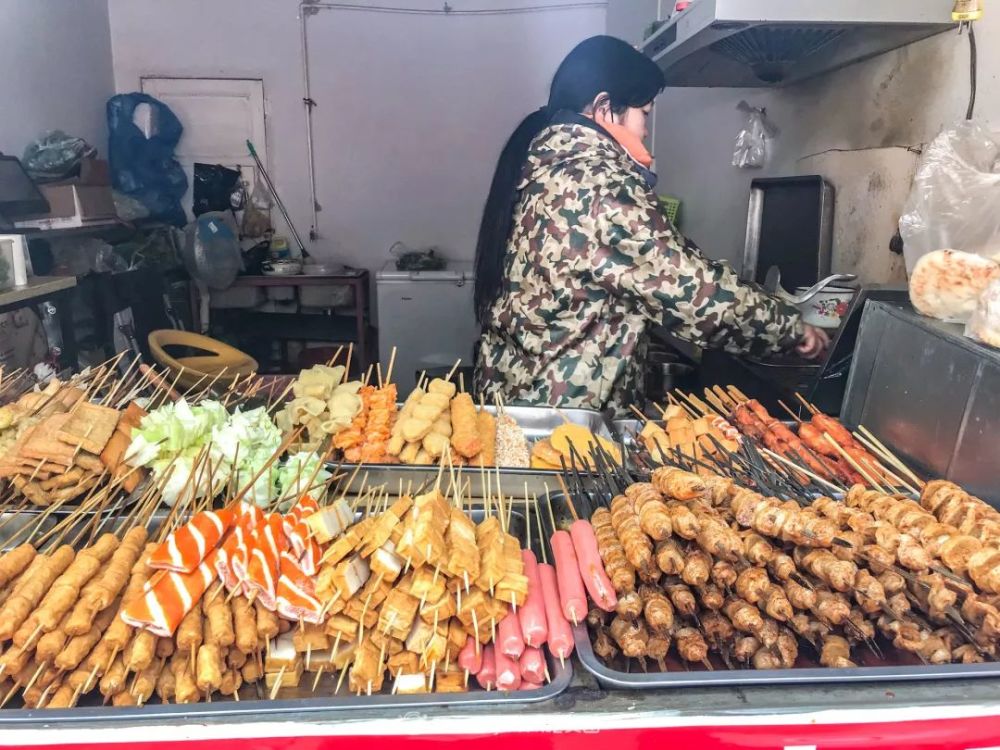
[629, 19]
[56, 62]
[857, 118]
[412, 110]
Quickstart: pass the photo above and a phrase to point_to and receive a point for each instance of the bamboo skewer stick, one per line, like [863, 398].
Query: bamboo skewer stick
[855, 465]
[716, 402]
[392, 363]
[812, 409]
[791, 413]
[882, 468]
[795, 467]
[642, 417]
[890, 456]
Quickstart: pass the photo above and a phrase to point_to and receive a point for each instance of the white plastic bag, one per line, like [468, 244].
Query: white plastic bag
[955, 199]
[751, 143]
[984, 325]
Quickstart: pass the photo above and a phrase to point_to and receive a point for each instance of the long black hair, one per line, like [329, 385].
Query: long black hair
[601, 64]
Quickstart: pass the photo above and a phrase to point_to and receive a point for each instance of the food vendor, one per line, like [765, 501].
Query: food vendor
[575, 258]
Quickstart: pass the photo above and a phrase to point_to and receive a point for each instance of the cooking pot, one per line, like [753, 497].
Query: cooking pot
[827, 307]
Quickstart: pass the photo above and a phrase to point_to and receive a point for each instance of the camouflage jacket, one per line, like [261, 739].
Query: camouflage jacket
[591, 262]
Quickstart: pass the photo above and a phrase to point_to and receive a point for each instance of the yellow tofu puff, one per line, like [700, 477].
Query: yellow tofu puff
[452, 681]
[385, 563]
[386, 643]
[310, 637]
[441, 609]
[512, 589]
[345, 544]
[288, 678]
[457, 637]
[410, 683]
[427, 584]
[367, 672]
[281, 653]
[403, 662]
[430, 641]
[330, 522]
[362, 615]
[342, 581]
[398, 613]
[344, 654]
[341, 626]
[463, 556]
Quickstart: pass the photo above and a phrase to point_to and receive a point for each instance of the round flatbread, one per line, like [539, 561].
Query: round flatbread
[984, 325]
[946, 284]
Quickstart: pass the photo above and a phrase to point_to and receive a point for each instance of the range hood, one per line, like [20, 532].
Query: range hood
[756, 43]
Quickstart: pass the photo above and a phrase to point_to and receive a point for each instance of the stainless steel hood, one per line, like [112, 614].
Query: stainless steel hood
[755, 43]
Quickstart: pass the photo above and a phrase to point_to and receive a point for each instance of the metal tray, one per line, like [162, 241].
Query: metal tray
[302, 699]
[537, 423]
[625, 429]
[897, 666]
[698, 676]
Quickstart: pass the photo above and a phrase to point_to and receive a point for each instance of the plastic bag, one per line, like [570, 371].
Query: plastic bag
[77, 256]
[129, 208]
[217, 188]
[55, 156]
[145, 168]
[954, 203]
[257, 215]
[408, 259]
[751, 143]
[109, 261]
[211, 251]
[984, 325]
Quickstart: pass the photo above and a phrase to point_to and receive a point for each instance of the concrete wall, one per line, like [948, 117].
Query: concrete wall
[57, 75]
[412, 110]
[855, 127]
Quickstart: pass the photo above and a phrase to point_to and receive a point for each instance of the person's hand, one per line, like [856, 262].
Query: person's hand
[814, 342]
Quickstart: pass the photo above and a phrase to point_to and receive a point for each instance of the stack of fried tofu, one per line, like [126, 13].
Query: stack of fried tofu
[406, 588]
[65, 445]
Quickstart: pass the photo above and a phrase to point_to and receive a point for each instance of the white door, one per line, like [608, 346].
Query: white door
[219, 116]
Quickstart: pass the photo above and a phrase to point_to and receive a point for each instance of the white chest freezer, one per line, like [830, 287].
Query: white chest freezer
[428, 316]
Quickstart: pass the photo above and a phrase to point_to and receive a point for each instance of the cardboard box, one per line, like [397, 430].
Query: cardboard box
[94, 172]
[74, 206]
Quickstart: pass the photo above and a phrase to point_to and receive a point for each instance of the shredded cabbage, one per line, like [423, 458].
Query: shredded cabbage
[293, 477]
[178, 432]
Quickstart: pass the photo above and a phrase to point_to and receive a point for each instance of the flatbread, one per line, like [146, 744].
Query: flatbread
[947, 284]
[985, 323]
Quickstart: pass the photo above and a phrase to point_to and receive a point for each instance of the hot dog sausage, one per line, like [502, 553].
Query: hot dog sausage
[470, 658]
[591, 566]
[510, 642]
[572, 597]
[532, 614]
[487, 674]
[525, 685]
[532, 664]
[560, 638]
[508, 671]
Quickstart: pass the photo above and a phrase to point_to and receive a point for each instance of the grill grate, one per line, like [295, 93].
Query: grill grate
[772, 51]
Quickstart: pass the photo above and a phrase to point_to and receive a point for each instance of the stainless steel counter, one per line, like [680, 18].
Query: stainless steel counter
[929, 393]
